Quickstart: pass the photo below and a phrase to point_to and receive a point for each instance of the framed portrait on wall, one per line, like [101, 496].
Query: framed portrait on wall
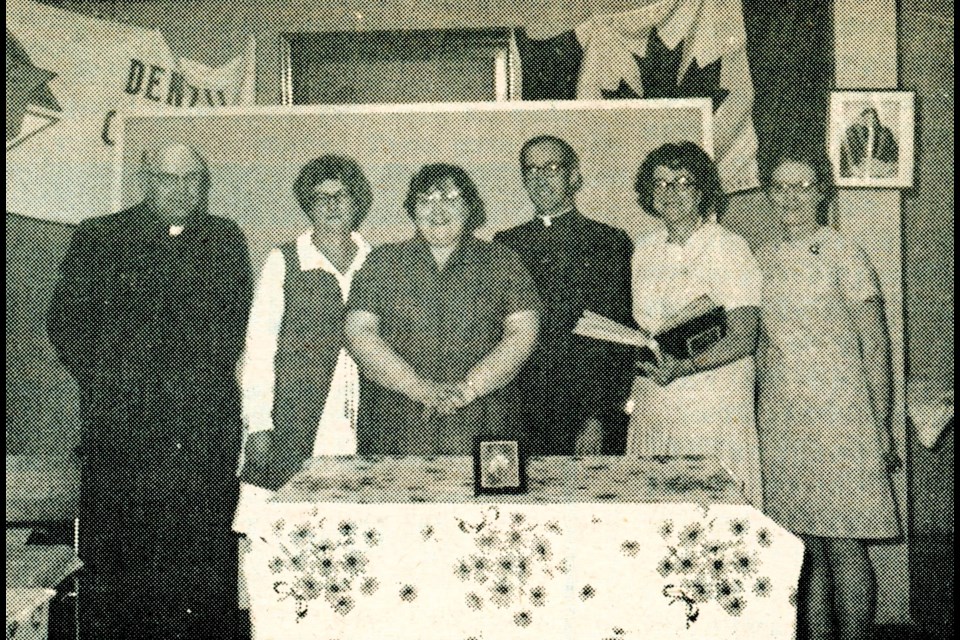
[871, 138]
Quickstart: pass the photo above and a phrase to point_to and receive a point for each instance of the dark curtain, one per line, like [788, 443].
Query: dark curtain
[550, 67]
[791, 53]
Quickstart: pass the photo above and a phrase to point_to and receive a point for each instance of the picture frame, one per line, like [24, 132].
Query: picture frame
[499, 466]
[871, 138]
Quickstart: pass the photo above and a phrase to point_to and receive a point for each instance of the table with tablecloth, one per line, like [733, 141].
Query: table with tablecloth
[598, 548]
[27, 612]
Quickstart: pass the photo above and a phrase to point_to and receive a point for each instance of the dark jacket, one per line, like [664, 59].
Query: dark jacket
[151, 327]
[853, 149]
[577, 264]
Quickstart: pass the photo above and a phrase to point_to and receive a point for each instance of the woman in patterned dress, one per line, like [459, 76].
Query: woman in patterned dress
[702, 405]
[824, 400]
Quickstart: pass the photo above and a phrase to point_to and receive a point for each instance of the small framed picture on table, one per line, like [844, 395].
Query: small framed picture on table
[499, 466]
[872, 138]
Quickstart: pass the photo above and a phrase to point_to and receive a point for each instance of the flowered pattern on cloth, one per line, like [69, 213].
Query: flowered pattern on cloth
[603, 566]
[513, 565]
[712, 560]
[552, 479]
[27, 613]
[323, 561]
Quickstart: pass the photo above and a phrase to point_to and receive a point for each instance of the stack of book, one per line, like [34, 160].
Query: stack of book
[692, 330]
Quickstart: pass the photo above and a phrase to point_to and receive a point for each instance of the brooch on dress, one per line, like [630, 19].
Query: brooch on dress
[815, 248]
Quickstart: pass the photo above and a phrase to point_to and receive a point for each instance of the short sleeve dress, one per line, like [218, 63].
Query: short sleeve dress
[820, 449]
[711, 412]
[442, 322]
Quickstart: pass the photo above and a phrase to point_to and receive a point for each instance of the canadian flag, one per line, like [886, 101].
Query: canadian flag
[664, 49]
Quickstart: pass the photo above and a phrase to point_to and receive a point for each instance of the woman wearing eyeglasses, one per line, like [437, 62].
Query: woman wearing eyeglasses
[704, 404]
[300, 384]
[440, 325]
[824, 400]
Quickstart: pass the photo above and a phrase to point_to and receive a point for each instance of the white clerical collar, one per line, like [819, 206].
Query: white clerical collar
[548, 220]
[175, 230]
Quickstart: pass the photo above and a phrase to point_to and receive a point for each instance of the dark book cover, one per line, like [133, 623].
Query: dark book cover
[689, 338]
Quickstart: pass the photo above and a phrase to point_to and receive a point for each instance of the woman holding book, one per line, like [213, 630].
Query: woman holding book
[824, 400]
[701, 401]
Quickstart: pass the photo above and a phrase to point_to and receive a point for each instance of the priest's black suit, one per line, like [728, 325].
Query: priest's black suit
[577, 264]
[150, 325]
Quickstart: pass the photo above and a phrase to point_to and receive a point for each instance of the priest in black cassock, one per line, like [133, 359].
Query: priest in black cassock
[572, 388]
[148, 315]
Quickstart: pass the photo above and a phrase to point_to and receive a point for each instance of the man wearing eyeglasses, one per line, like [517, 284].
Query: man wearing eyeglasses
[572, 389]
[148, 316]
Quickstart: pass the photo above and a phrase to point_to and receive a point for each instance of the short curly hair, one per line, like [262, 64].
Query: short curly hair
[683, 155]
[334, 167]
[432, 176]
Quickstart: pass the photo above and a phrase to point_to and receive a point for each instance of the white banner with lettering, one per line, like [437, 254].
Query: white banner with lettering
[67, 77]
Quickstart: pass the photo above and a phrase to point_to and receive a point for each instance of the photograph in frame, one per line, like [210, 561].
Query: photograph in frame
[499, 466]
[871, 138]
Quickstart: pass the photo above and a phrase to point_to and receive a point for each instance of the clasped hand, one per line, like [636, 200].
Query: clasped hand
[443, 399]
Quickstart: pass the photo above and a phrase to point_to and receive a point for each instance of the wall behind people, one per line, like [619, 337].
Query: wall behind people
[42, 399]
[926, 66]
[205, 32]
[255, 158]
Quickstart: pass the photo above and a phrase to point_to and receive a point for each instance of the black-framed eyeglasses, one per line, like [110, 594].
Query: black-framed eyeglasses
[682, 184]
[806, 187]
[438, 196]
[330, 199]
[549, 170]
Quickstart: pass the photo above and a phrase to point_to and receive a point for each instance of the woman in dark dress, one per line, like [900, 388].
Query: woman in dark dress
[299, 383]
[440, 325]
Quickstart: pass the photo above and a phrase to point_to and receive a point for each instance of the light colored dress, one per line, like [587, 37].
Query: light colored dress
[711, 412]
[823, 470]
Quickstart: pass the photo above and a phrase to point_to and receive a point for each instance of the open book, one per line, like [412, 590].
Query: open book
[692, 330]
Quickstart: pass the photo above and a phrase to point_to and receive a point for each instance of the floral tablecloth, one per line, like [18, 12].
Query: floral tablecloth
[600, 548]
[27, 613]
